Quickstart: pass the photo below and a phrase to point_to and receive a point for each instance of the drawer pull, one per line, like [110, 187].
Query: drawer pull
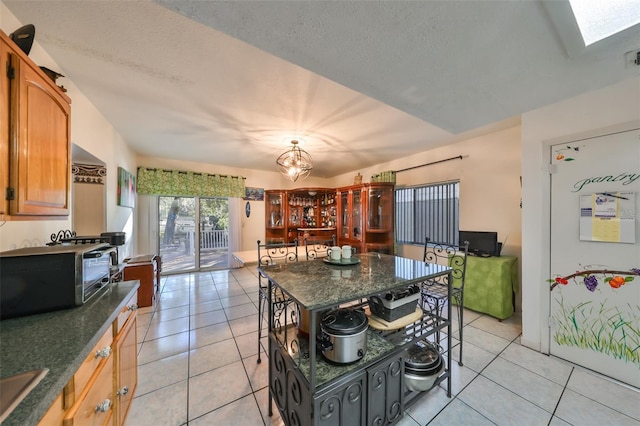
[132, 307]
[123, 391]
[104, 406]
[104, 352]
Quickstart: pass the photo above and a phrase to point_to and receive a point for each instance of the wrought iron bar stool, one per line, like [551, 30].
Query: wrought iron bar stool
[271, 254]
[435, 292]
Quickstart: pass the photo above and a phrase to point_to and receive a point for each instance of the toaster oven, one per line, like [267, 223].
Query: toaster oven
[42, 279]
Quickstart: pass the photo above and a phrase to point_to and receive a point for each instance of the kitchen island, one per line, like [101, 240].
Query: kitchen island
[309, 390]
[59, 341]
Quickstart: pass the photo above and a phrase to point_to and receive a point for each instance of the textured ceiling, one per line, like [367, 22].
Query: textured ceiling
[362, 82]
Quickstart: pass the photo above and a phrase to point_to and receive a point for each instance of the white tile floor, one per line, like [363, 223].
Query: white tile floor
[198, 351]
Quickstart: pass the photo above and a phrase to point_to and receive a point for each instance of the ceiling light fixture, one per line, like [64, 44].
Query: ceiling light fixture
[295, 164]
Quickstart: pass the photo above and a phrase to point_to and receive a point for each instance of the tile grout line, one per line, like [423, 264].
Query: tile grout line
[564, 388]
[455, 397]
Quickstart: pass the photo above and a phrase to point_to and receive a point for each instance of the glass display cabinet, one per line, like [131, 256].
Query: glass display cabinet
[358, 215]
[379, 234]
[350, 207]
[275, 216]
[366, 217]
[300, 213]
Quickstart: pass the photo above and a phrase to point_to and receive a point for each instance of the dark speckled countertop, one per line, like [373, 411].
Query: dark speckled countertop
[59, 341]
[317, 284]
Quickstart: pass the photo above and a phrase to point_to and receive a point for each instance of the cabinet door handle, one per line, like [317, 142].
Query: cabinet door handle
[104, 352]
[104, 406]
[132, 307]
[123, 391]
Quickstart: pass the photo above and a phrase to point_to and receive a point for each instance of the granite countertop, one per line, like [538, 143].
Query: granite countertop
[317, 284]
[59, 341]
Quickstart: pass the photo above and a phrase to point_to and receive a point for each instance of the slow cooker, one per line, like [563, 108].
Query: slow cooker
[344, 335]
[422, 366]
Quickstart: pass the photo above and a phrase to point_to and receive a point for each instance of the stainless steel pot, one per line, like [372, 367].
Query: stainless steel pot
[344, 335]
[422, 366]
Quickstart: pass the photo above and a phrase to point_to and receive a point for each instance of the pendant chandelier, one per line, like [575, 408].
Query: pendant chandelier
[295, 164]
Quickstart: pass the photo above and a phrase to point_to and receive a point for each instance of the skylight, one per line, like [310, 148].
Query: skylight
[599, 19]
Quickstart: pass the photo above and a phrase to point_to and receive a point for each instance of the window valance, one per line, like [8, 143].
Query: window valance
[388, 176]
[188, 184]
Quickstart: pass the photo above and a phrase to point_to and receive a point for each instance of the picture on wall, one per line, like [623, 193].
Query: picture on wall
[254, 194]
[126, 188]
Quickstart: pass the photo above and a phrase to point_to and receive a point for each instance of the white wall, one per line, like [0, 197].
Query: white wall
[591, 114]
[91, 131]
[489, 175]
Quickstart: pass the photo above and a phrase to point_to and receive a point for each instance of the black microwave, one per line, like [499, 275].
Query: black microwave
[42, 279]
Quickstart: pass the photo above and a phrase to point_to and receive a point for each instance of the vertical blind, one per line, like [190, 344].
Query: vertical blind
[428, 211]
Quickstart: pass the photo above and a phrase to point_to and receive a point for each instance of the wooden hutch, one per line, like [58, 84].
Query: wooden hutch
[358, 215]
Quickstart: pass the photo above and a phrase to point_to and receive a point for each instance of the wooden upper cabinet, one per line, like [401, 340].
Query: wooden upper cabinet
[4, 127]
[39, 140]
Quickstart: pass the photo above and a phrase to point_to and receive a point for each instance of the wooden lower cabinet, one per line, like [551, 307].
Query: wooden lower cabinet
[94, 405]
[102, 389]
[88, 369]
[126, 369]
[55, 413]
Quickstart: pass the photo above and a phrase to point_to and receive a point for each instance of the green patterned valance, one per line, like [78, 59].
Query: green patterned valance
[388, 176]
[188, 184]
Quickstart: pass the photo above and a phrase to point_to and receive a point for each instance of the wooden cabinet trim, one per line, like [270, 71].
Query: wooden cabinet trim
[126, 371]
[54, 414]
[24, 57]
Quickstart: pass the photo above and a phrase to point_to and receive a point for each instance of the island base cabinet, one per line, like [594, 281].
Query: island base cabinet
[343, 404]
[385, 390]
[280, 388]
[368, 396]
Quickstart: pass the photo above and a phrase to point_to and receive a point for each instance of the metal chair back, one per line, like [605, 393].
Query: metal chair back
[317, 248]
[454, 256]
[435, 293]
[272, 254]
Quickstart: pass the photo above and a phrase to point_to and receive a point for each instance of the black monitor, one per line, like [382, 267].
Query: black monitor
[481, 243]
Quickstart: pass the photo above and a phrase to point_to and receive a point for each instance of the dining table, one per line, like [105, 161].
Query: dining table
[323, 284]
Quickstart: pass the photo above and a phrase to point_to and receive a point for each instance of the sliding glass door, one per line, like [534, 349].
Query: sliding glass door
[214, 233]
[193, 233]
